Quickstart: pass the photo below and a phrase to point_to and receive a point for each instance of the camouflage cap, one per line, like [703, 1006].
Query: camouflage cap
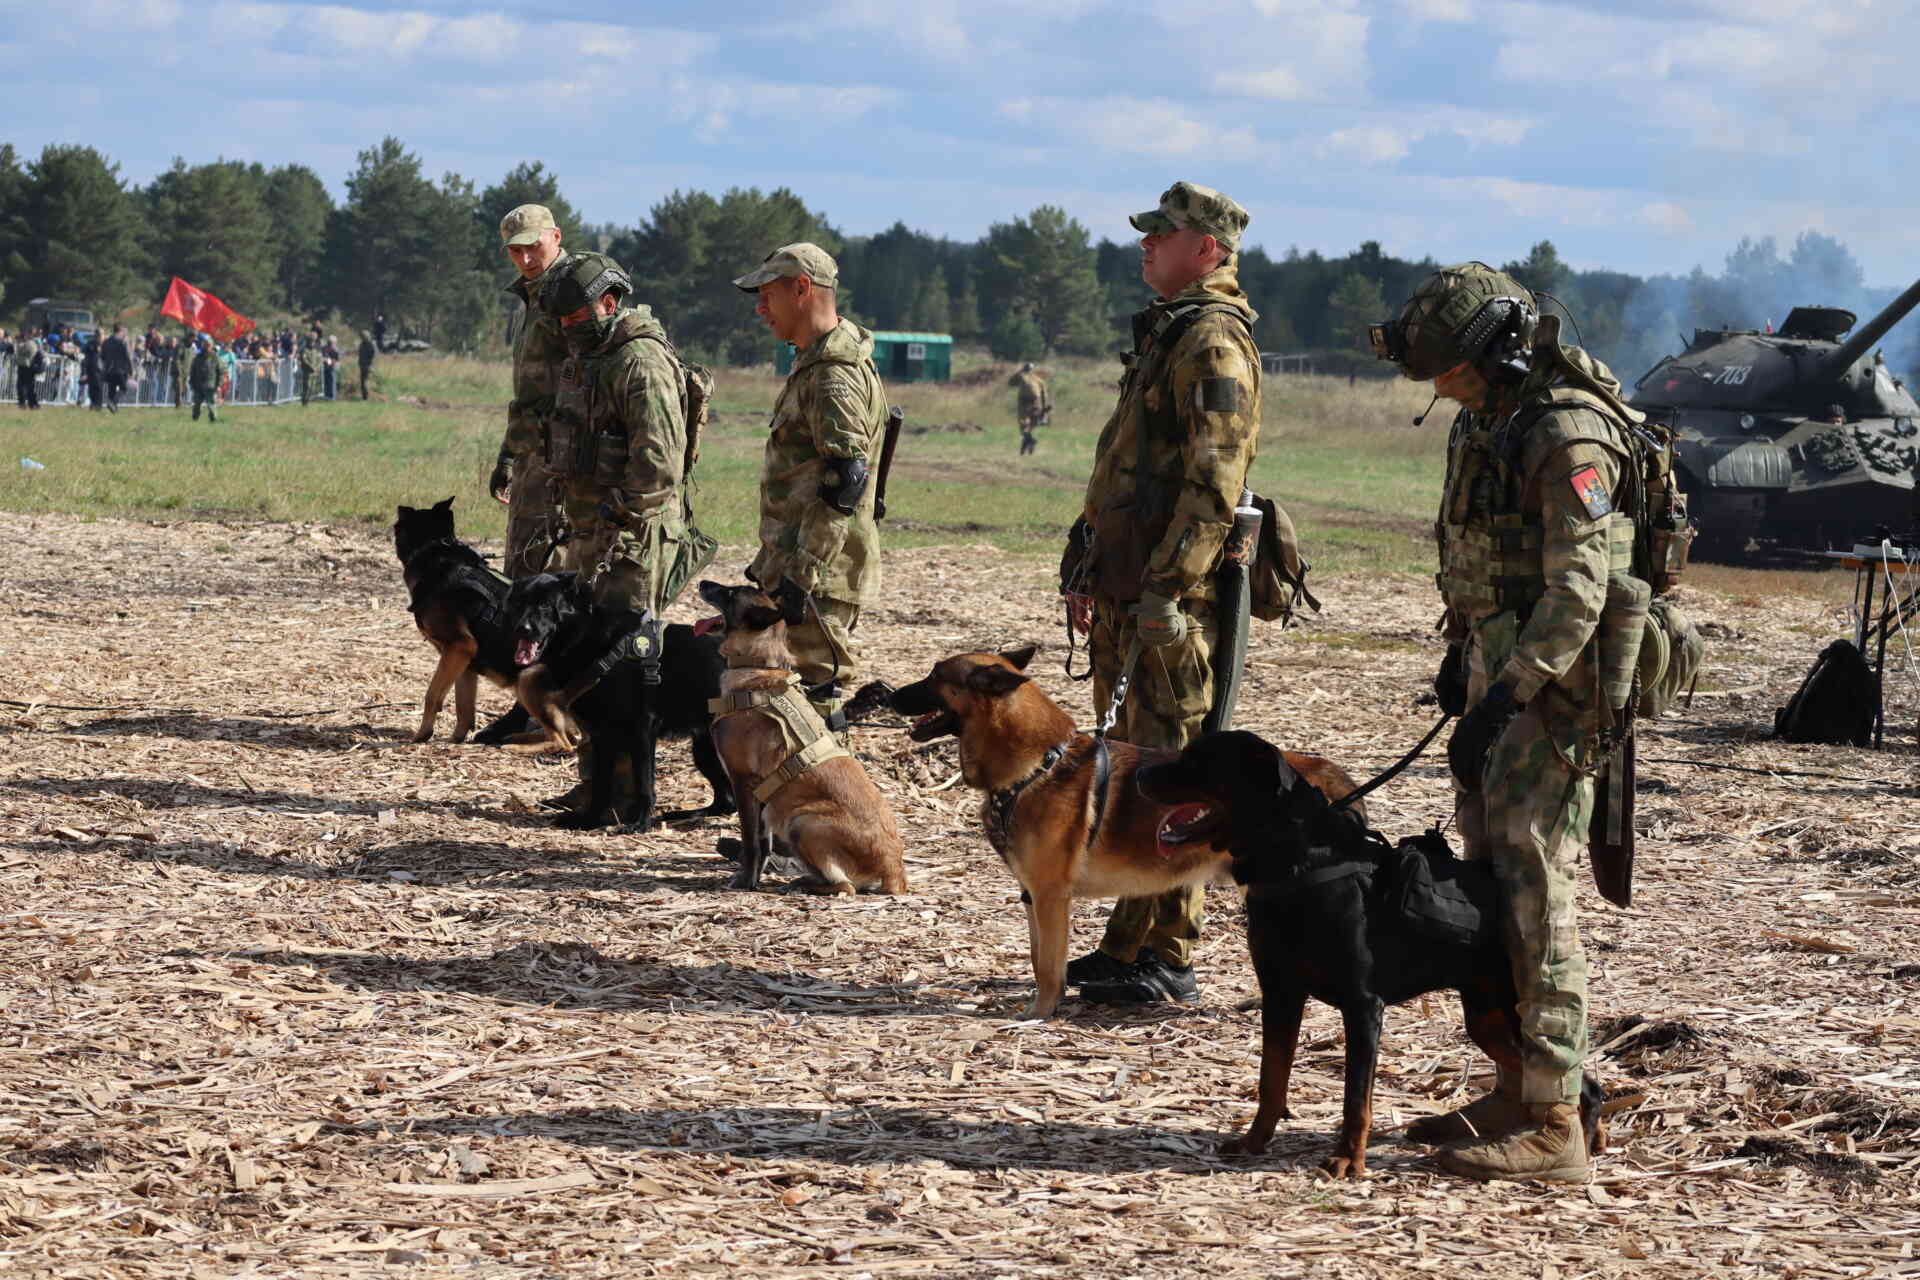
[1190, 206]
[793, 261]
[525, 224]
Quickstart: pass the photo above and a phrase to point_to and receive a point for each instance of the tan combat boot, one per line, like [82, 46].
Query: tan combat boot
[1547, 1147]
[1492, 1116]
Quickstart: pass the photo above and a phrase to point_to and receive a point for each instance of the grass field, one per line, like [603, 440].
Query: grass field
[1359, 480]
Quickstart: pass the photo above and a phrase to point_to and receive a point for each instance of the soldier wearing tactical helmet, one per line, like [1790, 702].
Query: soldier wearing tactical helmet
[818, 538]
[616, 439]
[520, 478]
[1532, 528]
[1141, 565]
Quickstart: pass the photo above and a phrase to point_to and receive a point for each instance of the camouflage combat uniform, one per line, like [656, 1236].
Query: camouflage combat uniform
[833, 406]
[309, 370]
[182, 355]
[1035, 404]
[1203, 418]
[1529, 533]
[538, 350]
[204, 380]
[618, 430]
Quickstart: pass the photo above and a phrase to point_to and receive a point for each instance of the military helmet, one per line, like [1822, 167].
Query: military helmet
[1458, 314]
[578, 282]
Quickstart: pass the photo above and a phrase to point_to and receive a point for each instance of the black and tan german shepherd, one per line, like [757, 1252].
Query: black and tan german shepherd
[459, 604]
[574, 680]
[1061, 807]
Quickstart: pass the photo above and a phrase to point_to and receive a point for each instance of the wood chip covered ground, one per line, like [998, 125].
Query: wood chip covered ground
[287, 994]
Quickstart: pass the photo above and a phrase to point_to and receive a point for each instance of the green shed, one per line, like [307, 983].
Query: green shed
[900, 357]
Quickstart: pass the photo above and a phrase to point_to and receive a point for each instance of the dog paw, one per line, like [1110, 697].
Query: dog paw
[582, 821]
[727, 847]
[638, 827]
[423, 735]
[1343, 1167]
[745, 880]
[1242, 1146]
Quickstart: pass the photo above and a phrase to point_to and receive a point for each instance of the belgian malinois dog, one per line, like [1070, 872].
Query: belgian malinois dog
[828, 814]
[1061, 806]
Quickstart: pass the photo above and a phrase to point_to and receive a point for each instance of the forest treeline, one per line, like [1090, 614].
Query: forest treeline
[273, 243]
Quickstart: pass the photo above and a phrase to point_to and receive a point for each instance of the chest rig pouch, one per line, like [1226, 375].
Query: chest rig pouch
[1131, 523]
[578, 444]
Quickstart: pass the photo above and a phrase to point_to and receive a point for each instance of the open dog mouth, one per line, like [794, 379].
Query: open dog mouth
[705, 625]
[1190, 824]
[934, 724]
[526, 651]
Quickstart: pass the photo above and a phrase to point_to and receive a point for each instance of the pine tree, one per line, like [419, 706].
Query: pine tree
[84, 237]
[209, 224]
[1354, 304]
[298, 205]
[1044, 264]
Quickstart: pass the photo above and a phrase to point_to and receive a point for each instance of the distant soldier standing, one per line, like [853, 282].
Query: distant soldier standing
[309, 369]
[367, 352]
[817, 532]
[1533, 526]
[116, 366]
[182, 355]
[27, 363]
[204, 378]
[521, 477]
[617, 440]
[1141, 567]
[1036, 403]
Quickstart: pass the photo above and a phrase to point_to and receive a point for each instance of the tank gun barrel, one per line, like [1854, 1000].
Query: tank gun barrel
[1871, 332]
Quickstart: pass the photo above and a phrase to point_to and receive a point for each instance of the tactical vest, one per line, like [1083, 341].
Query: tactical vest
[808, 740]
[1129, 526]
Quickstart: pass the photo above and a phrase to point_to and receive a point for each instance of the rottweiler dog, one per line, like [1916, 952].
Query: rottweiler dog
[1061, 808]
[621, 679]
[822, 808]
[1318, 925]
[460, 606]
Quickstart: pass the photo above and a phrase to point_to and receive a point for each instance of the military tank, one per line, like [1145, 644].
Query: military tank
[1794, 439]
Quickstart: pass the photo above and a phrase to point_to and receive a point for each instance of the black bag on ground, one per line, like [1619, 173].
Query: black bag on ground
[1445, 898]
[1835, 703]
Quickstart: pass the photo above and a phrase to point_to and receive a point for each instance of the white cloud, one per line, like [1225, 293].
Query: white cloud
[1390, 139]
[1664, 217]
[1438, 10]
[1152, 127]
[1368, 144]
[1279, 84]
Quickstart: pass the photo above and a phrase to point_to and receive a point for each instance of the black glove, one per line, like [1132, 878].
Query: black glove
[502, 478]
[1450, 682]
[1476, 733]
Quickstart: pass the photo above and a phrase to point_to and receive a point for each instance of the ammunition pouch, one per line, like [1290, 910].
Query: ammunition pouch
[1278, 580]
[605, 457]
[1447, 900]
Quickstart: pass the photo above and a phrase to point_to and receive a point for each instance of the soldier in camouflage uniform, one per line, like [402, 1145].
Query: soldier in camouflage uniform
[203, 378]
[1530, 532]
[309, 369]
[617, 439]
[1140, 573]
[817, 530]
[182, 354]
[1036, 402]
[521, 477]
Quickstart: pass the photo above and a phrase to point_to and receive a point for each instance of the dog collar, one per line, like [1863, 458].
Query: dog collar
[999, 814]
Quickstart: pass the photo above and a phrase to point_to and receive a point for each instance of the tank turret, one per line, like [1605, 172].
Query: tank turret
[1797, 438]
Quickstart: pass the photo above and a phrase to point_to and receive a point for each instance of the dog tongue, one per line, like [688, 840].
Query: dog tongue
[705, 625]
[1178, 816]
[524, 652]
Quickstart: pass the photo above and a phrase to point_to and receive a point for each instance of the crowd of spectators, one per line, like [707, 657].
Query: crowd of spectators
[107, 363]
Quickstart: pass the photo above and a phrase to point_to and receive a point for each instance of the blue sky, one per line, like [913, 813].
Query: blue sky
[1635, 135]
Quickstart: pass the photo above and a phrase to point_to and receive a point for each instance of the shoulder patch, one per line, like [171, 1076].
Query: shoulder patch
[1591, 492]
[1217, 395]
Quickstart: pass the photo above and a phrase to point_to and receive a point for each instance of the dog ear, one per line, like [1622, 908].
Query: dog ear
[443, 507]
[995, 682]
[1022, 656]
[404, 511]
[757, 617]
[793, 606]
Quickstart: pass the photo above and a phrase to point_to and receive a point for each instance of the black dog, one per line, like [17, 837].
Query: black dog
[1323, 920]
[624, 680]
[459, 604]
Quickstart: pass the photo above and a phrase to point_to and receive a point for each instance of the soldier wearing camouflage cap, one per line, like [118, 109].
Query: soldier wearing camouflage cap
[817, 532]
[1141, 565]
[1531, 531]
[531, 240]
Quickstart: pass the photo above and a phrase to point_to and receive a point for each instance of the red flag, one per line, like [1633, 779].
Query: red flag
[198, 309]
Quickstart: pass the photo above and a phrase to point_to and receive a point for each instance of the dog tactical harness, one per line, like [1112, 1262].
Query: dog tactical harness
[998, 817]
[470, 574]
[808, 740]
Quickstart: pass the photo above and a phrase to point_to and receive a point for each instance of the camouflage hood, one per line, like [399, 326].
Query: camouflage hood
[1222, 284]
[1556, 364]
[632, 324]
[845, 343]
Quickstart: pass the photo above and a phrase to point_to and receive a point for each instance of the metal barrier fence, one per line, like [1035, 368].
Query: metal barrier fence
[252, 382]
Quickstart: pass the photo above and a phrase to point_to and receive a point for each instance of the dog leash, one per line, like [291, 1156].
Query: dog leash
[1118, 697]
[1394, 770]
